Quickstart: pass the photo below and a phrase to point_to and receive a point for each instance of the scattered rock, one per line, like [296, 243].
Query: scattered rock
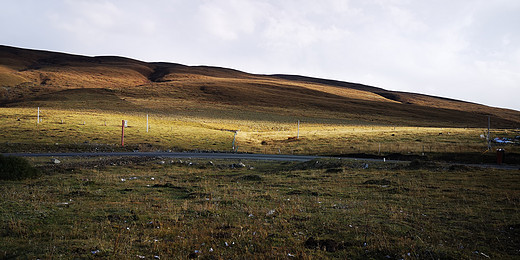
[55, 161]
[340, 206]
[237, 165]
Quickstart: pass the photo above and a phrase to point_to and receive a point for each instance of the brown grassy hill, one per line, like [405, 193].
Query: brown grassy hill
[31, 77]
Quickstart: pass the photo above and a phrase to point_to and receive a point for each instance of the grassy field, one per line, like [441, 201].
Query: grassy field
[90, 130]
[156, 209]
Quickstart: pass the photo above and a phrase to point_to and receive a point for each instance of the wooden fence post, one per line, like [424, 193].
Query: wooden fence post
[298, 134]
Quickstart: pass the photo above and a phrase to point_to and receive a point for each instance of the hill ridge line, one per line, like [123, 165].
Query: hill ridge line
[26, 75]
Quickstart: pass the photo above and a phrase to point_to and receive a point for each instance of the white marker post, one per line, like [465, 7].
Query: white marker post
[38, 119]
[147, 123]
[234, 141]
[123, 133]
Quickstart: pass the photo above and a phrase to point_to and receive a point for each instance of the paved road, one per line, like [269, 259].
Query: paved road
[236, 156]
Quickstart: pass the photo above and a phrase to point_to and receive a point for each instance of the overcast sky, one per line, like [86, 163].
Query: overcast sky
[463, 49]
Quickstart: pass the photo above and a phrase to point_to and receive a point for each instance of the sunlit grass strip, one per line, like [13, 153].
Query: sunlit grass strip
[272, 135]
[72, 127]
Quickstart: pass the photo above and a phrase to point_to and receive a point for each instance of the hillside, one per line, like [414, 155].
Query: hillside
[41, 78]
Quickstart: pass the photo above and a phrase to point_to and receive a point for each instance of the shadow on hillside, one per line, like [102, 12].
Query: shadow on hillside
[86, 98]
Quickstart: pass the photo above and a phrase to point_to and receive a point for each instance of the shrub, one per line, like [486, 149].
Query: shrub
[16, 168]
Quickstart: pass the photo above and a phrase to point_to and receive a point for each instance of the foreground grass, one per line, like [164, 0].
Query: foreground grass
[129, 208]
